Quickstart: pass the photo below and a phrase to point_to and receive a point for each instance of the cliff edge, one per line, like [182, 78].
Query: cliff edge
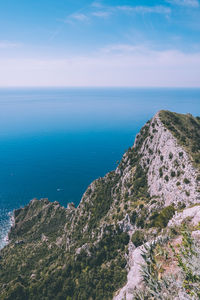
[95, 251]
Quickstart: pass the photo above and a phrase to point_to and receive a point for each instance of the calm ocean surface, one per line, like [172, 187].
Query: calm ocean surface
[54, 142]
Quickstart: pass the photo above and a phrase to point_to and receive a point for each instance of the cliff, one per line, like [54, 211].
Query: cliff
[94, 251]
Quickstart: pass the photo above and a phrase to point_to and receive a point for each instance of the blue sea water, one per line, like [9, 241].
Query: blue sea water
[54, 142]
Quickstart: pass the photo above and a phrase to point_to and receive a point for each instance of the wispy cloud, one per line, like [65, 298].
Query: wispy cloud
[77, 17]
[124, 48]
[101, 14]
[80, 17]
[106, 11]
[8, 44]
[159, 9]
[97, 9]
[189, 3]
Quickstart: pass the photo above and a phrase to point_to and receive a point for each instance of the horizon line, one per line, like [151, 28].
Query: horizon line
[100, 87]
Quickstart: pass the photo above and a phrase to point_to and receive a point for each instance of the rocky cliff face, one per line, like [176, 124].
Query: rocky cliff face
[173, 179]
[94, 251]
[171, 175]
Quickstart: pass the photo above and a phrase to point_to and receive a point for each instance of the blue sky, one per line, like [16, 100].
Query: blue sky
[100, 43]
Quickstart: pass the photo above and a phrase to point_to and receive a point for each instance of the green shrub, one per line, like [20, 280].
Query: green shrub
[166, 178]
[160, 220]
[120, 216]
[173, 174]
[153, 202]
[150, 151]
[140, 222]
[181, 205]
[133, 217]
[187, 193]
[180, 154]
[138, 238]
[176, 163]
[186, 181]
[154, 216]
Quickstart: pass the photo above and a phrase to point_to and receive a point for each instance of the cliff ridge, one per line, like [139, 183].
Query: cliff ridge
[94, 251]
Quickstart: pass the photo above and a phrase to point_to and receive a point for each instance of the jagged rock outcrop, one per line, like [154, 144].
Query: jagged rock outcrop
[171, 175]
[191, 214]
[172, 179]
[94, 251]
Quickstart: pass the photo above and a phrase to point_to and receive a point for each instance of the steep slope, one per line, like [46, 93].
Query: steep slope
[87, 252]
[171, 174]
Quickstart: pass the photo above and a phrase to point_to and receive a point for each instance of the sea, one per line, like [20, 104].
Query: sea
[55, 142]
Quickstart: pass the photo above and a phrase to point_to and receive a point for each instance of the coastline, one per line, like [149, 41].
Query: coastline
[5, 240]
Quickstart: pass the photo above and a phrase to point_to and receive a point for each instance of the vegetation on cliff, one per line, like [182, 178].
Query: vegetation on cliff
[171, 268]
[83, 253]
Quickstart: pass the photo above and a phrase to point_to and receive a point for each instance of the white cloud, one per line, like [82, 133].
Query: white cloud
[101, 14]
[189, 3]
[102, 11]
[106, 11]
[80, 17]
[77, 17]
[7, 44]
[159, 9]
[123, 48]
[129, 66]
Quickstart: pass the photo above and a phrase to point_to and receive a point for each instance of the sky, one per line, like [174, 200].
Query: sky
[82, 43]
